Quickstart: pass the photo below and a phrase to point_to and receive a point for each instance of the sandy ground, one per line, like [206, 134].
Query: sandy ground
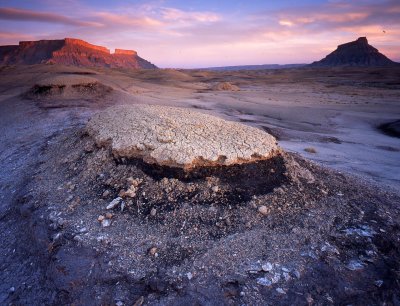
[335, 111]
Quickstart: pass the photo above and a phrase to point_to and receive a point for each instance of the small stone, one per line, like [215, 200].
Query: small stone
[114, 203]
[153, 212]
[119, 303]
[264, 281]
[189, 275]
[267, 267]
[134, 182]
[11, 290]
[254, 268]
[378, 283]
[122, 206]
[280, 290]
[153, 251]
[106, 223]
[286, 276]
[276, 278]
[61, 222]
[309, 299]
[215, 189]
[109, 215]
[285, 269]
[263, 210]
[139, 302]
[100, 218]
[130, 192]
[101, 238]
[329, 298]
[354, 265]
[57, 236]
[296, 273]
[78, 238]
[106, 193]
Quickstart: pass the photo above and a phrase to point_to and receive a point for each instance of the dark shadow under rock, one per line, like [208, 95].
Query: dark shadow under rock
[241, 181]
[391, 128]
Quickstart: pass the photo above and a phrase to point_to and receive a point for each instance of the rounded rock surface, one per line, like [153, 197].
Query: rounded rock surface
[178, 137]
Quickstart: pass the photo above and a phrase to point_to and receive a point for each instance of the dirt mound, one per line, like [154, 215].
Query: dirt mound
[280, 231]
[178, 137]
[225, 86]
[54, 91]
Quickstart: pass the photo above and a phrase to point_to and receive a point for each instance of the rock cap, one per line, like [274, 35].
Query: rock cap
[178, 137]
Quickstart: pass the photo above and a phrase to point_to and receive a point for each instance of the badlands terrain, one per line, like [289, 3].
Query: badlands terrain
[86, 221]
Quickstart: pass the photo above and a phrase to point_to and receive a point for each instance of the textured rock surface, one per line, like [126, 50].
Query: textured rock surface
[178, 137]
[355, 53]
[70, 51]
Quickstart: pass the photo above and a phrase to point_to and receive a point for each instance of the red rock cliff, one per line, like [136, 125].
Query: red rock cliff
[70, 51]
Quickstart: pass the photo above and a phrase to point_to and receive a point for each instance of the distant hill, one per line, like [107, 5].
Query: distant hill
[70, 51]
[355, 53]
[254, 67]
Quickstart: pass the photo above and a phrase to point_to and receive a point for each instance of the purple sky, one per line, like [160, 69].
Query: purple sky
[187, 33]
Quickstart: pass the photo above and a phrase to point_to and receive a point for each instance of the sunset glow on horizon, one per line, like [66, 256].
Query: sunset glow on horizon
[188, 34]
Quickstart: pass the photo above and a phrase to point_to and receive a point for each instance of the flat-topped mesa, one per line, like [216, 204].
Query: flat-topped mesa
[178, 137]
[79, 42]
[70, 51]
[125, 52]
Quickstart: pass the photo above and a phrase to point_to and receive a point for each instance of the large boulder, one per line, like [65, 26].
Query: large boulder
[178, 137]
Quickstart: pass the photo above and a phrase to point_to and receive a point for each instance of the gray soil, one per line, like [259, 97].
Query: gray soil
[283, 232]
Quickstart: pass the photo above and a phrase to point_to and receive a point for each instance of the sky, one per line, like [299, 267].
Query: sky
[193, 34]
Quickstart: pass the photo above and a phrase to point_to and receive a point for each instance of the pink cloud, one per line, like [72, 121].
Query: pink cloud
[28, 15]
[113, 19]
[189, 16]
